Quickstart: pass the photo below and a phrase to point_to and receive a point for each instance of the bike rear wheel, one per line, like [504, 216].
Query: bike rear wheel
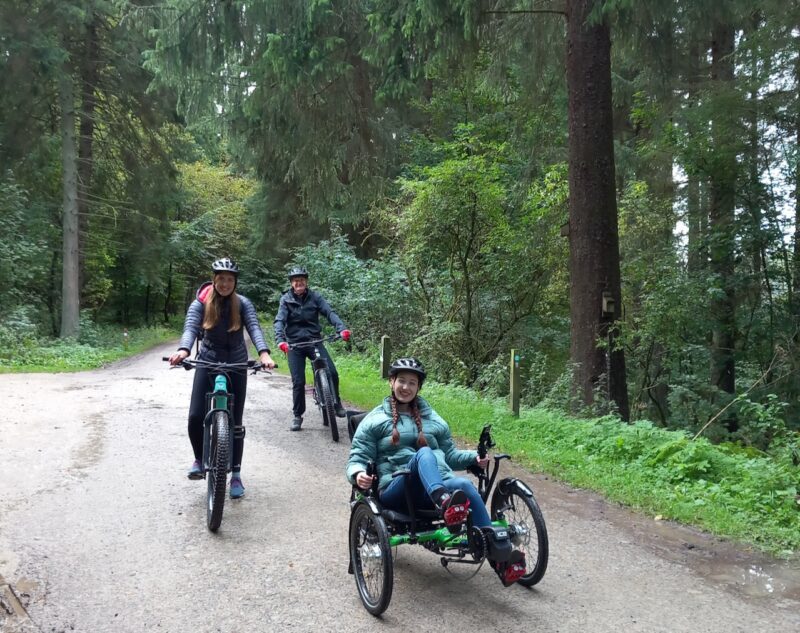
[371, 558]
[526, 522]
[218, 470]
[326, 403]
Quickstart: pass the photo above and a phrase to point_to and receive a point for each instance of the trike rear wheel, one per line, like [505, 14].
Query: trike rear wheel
[371, 558]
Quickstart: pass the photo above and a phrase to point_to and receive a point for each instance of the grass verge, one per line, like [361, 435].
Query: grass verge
[98, 346]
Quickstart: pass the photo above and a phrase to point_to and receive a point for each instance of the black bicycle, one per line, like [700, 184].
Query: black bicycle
[219, 430]
[323, 391]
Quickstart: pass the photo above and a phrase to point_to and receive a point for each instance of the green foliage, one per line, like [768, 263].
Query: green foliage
[23, 351]
[370, 296]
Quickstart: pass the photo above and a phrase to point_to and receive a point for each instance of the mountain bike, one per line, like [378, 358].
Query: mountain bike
[374, 530]
[219, 430]
[323, 392]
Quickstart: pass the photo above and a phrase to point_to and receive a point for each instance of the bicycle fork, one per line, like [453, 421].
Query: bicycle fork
[218, 400]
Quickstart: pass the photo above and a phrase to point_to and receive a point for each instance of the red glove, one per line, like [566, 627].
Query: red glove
[284, 347]
[345, 334]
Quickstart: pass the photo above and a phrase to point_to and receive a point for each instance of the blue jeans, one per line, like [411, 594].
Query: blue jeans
[424, 480]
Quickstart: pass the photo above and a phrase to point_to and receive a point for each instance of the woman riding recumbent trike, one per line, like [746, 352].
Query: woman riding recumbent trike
[514, 540]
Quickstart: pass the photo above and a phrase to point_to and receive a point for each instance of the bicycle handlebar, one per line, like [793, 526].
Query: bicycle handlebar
[325, 339]
[189, 363]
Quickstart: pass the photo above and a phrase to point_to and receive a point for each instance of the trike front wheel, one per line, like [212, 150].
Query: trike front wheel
[371, 558]
[515, 501]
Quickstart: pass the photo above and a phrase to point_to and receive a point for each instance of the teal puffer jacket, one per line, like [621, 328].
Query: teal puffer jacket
[373, 442]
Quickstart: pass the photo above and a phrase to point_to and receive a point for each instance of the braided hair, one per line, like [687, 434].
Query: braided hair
[415, 414]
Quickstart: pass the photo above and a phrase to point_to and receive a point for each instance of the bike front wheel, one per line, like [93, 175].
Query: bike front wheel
[218, 470]
[515, 502]
[371, 559]
[326, 403]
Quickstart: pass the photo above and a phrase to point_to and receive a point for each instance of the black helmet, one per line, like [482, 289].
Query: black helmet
[225, 265]
[408, 364]
[297, 271]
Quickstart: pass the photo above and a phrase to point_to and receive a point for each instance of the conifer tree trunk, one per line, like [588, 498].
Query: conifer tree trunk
[721, 218]
[593, 233]
[696, 213]
[795, 283]
[89, 73]
[70, 295]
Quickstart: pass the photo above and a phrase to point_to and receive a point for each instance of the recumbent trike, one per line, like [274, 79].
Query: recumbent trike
[517, 522]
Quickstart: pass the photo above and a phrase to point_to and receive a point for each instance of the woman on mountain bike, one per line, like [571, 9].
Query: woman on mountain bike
[297, 321]
[219, 317]
[405, 433]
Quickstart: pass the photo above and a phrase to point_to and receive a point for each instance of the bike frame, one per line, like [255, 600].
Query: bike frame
[220, 399]
[318, 362]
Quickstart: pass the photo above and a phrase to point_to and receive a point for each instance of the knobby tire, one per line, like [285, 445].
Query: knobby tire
[218, 473]
[326, 403]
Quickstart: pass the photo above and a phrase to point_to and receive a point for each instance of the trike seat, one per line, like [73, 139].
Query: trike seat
[353, 420]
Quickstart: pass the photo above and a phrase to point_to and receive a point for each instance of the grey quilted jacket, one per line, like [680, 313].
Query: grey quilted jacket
[218, 344]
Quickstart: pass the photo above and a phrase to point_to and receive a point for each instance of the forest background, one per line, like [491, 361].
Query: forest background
[608, 187]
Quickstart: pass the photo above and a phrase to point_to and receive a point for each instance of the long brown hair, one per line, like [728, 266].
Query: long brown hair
[415, 414]
[213, 307]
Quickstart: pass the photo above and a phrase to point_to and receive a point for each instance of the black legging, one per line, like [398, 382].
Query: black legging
[204, 383]
[297, 367]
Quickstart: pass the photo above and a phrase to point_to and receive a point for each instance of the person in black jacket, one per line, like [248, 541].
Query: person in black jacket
[297, 321]
[218, 314]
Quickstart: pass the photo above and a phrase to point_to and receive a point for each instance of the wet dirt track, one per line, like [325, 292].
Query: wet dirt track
[100, 530]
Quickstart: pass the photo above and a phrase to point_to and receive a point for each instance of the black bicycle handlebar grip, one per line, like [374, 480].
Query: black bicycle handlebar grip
[165, 358]
[485, 441]
[372, 472]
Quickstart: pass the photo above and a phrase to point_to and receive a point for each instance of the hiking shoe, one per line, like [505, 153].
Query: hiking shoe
[237, 488]
[340, 412]
[297, 422]
[454, 508]
[511, 571]
[196, 471]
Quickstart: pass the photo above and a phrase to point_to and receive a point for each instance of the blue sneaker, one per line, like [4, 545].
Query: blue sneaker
[196, 471]
[237, 488]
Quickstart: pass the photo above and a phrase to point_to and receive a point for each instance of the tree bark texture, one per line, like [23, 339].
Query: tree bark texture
[70, 295]
[593, 231]
[89, 74]
[721, 215]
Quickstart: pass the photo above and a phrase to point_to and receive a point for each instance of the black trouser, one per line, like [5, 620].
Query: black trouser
[203, 384]
[297, 366]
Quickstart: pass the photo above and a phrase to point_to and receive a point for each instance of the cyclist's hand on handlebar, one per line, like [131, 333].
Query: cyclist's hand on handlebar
[364, 481]
[266, 360]
[284, 347]
[345, 334]
[178, 357]
[483, 462]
